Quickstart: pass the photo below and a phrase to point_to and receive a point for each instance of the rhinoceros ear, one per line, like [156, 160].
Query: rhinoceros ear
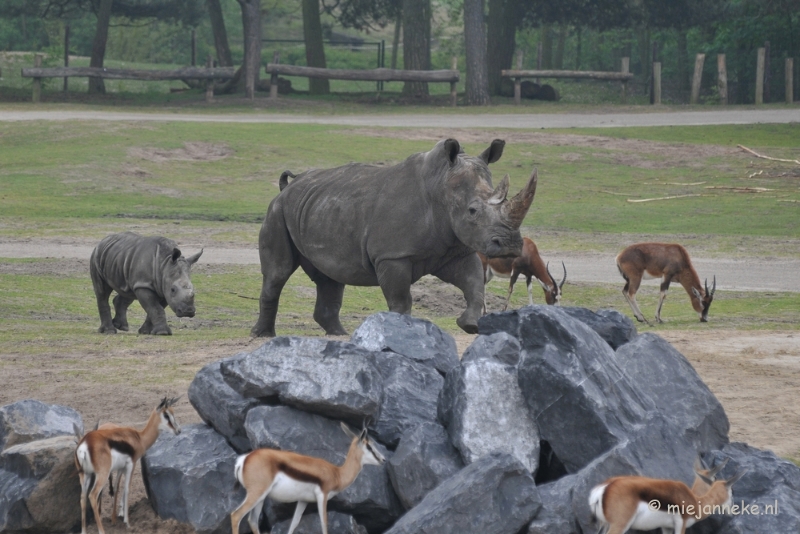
[452, 149]
[176, 253]
[493, 153]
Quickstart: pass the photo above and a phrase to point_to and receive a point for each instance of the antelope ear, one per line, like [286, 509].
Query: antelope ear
[705, 479]
[697, 294]
[363, 435]
[346, 429]
[735, 479]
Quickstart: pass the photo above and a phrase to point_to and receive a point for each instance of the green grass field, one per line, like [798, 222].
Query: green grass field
[80, 181]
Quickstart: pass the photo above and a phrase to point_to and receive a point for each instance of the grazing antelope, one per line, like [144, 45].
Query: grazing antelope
[669, 261]
[116, 449]
[286, 476]
[528, 264]
[630, 502]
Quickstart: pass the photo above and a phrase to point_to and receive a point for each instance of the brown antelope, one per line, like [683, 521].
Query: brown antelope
[670, 262]
[116, 449]
[528, 264]
[285, 476]
[630, 502]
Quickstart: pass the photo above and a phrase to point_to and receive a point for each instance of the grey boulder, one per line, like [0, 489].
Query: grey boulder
[615, 328]
[556, 515]
[330, 378]
[770, 491]
[676, 389]
[500, 346]
[423, 459]
[29, 420]
[417, 339]
[39, 488]
[190, 478]
[581, 399]
[484, 411]
[310, 524]
[494, 495]
[220, 406]
[410, 395]
[370, 499]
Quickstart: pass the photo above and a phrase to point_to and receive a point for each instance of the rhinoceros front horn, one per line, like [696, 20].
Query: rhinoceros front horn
[518, 207]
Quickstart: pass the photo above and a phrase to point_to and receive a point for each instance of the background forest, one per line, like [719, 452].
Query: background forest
[573, 34]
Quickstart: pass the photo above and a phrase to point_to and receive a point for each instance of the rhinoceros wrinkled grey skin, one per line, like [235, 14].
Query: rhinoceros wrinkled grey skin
[368, 225]
[148, 269]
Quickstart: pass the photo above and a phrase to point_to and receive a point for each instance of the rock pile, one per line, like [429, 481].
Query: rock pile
[546, 403]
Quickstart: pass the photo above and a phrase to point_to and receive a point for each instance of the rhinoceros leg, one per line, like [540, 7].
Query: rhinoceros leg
[394, 277]
[102, 291]
[278, 261]
[466, 273]
[156, 322]
[329, 300]
[121, 312]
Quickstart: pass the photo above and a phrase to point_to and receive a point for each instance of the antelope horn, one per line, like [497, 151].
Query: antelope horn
[552, 278]
[714, 285]
[565, 275]
[520, 203]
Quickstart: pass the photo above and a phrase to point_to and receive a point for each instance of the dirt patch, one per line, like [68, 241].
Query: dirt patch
[191, 151]
[61, 267]
[430, 295]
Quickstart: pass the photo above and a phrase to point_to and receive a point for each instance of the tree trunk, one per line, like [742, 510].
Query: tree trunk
[398, 25]
[416, 42]
[683, 61]
[315, 49]
[558, 60]
[502, 25]
[477, 86]
[547, 47]
[578, 58]
[224, 58]
[251, 23]
[96, 85]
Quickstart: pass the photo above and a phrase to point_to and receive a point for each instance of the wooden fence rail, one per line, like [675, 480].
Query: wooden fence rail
[518, 74]
[186, 73]
[366, 75]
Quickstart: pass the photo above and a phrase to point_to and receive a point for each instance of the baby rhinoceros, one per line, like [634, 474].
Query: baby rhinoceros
[148, 269]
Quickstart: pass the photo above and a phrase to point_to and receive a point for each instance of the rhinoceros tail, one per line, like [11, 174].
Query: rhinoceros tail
[284, 181]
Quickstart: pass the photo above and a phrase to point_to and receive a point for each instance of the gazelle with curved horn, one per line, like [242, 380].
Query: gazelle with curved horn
[285, 476]
[111, 449]
[630, 502]
[670, 262]
[528, 264]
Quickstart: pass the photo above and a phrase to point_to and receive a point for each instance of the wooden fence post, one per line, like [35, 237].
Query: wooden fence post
[722, 79]
[37, 82]
[66, 54]
[767, 72]
[789, 80]
[538, 61]
[760, 76]
[697, 78]
[453, 88]
[273, 79]
[210, 82]
[625, 68]
[518, 81]
[652, 75]
[657, 82]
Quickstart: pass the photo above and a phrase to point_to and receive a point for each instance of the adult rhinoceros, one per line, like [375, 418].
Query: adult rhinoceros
[366, 225]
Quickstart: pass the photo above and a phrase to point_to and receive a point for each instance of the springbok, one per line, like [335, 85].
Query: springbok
[528, 264]
[630, 502]
[287, 477]
[116, 449]
[670, 262]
